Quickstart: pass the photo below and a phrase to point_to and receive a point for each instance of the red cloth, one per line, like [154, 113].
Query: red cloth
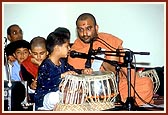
[30, 67]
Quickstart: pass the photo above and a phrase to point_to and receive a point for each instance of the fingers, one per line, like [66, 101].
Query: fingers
[68, 73]
[33, 84]
[87, 71]
[34, 80]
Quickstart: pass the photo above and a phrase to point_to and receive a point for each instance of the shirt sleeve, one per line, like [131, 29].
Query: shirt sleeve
[15, 72]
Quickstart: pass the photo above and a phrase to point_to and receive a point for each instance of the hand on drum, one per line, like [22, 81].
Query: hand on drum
[87, 71]
[68, 73]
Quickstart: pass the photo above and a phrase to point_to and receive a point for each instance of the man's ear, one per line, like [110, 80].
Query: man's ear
[56, 47]
[97, 28]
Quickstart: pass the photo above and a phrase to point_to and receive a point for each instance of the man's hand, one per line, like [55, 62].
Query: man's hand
[87, 71]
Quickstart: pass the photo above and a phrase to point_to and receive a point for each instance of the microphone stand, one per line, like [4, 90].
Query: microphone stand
[117, 68]
[118, 97]
[130, 102]
[88, 61]
[9, 95]
[128, 57]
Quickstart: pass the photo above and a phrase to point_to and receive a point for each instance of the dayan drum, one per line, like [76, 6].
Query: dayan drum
[84, 90]
[102, 87]
[74, 89]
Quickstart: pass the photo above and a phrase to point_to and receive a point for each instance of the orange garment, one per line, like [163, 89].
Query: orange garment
[144, 86]
[79, 46]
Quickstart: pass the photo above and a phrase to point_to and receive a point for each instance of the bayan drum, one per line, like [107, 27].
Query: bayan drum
[88, 92]
[154, 77]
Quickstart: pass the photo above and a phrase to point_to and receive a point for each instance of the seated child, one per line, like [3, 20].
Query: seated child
[52, 70]
[29, 67]
[21, 53]
[20, 50]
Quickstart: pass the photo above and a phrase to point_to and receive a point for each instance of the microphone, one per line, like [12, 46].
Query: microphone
[142, 53]
[88, 61]
[75, 54]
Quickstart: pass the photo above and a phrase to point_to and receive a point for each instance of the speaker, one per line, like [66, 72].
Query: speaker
[14, 95]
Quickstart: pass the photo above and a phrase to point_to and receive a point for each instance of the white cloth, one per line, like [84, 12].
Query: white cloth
[31, 90]
[15, 71]
[50, 100]
[6, 72]
[97, 63]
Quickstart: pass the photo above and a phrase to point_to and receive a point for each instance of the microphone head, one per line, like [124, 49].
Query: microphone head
[73, 54]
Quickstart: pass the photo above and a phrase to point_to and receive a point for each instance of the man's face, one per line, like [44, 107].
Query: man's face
[87, 30]
[16, 34]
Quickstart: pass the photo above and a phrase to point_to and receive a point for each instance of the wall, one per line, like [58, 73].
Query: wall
[140, 25]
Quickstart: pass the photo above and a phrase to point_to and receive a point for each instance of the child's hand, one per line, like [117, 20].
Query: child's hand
[68, 73]
[33, 60]
[87, 71]
[33, 85]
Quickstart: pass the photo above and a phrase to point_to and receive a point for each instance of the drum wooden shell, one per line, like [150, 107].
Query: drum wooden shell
[101, 87]
[93, 92]
[74, 90]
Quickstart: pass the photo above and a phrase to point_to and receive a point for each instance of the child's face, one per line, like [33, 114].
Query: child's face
[39, 53]
[21, 54]
[64, 50]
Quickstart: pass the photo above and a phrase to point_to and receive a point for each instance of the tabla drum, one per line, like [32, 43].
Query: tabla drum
[154, 77]
[88, 92]
[101, 86]
[74, 89]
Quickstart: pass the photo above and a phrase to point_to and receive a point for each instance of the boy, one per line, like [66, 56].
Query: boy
[14, 33]
[21, 53]
[52, 70]
[20, 50]
[29, 67]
